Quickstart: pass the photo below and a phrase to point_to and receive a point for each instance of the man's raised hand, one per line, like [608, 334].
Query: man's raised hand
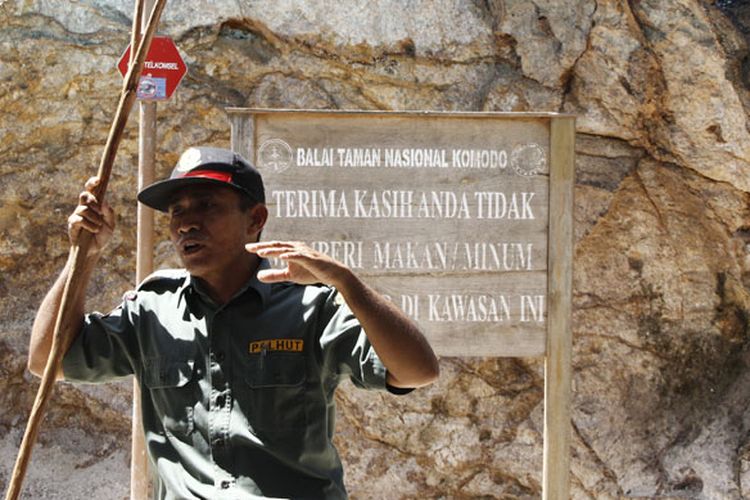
[304, 265]
[92, 216]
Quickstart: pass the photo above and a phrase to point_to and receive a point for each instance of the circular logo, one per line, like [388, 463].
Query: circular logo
[528, 160]
[147, 88]
[189, 160]
[276, 154]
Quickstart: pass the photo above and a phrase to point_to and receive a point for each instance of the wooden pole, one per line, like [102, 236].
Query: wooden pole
[557, 368]
[139, 466]
[61, 336]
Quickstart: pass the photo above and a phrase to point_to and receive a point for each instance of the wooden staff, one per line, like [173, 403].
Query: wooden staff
[61, 339]
[135, 33]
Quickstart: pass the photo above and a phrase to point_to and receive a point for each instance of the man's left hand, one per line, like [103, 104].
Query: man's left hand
[304, 265]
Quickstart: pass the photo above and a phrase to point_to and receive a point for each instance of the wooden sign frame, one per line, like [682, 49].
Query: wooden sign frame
[557, 345]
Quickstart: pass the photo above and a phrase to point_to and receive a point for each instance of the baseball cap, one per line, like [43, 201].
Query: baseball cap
[205, 165]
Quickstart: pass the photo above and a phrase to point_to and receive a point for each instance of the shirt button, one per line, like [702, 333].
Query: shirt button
[225, 485]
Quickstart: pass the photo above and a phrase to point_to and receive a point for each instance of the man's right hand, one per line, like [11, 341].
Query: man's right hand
[92, 216]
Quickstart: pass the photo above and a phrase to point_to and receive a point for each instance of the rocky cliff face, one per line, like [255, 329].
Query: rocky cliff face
[662, 265]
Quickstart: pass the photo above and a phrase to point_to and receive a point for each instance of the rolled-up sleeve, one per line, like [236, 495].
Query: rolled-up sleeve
[103, 349]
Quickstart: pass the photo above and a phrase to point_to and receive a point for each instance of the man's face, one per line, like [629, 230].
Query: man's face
[209, 229]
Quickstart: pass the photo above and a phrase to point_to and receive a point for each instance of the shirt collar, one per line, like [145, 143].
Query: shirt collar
[263, 289]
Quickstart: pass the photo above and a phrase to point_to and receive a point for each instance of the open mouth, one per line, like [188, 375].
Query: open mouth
[191, 247]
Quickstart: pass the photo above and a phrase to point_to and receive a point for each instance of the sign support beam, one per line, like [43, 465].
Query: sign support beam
[557, 366]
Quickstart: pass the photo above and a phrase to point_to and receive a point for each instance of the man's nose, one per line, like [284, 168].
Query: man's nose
[187, 222]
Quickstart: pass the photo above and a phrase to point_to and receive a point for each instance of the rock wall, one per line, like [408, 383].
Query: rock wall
[662, 264]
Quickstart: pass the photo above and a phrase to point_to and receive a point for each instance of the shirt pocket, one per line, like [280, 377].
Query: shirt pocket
[171, 394]
[276, 383]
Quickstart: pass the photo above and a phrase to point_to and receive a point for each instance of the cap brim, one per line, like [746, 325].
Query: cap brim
[159, 194]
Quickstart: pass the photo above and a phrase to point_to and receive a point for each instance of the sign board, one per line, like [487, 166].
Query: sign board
[163, 70]
[464, 220]
[446, 214]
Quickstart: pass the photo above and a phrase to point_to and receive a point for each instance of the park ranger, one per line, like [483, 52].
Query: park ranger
[237, 361]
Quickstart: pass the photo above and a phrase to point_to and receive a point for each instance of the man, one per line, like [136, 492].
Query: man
[237, 362]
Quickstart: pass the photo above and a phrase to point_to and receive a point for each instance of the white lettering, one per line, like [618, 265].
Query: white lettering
[399, 204]
[347, 252]
[532, 308]
[171, 66]
[468, 308]
[443, 205]
[314, 157]
[383, 204]
[312, 204]
[498, 205]
[358, 157]
[410, 306]
[452, 256]
[481, 158]
[415, 158]
[351, 157]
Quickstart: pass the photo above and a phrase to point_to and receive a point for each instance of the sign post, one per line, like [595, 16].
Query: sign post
[464, 220]
[558, 360]
[163, 71]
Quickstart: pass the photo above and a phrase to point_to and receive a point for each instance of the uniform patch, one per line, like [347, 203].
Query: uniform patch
[282, 345]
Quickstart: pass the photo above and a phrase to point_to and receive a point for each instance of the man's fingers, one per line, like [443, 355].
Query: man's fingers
[91, 218]
[91, 183]
[305, 265]
[287, 254]
[273, 275]
[78, 221]
[90, 214]
[294, 255]
[90, 226]
[271, 249]
[87, 199]
[276, 243]
[266, 246]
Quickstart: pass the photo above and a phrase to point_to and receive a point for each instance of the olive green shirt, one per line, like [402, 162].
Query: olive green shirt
[237, 399]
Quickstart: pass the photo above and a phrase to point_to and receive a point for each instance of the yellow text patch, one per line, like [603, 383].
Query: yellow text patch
[283, 345]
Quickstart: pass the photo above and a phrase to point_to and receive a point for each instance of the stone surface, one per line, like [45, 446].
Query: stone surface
[662, 264]
[668, 86]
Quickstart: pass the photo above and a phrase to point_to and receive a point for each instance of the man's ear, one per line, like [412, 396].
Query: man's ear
[257, 219]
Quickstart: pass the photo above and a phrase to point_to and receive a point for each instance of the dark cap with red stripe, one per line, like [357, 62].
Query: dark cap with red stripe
[204, 165]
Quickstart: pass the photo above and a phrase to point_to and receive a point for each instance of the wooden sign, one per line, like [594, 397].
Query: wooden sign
[464, 220]
[446, 214]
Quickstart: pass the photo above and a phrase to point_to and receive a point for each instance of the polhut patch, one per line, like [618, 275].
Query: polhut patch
[277, 345]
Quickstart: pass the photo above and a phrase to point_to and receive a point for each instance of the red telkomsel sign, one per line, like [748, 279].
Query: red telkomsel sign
[162, 71]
